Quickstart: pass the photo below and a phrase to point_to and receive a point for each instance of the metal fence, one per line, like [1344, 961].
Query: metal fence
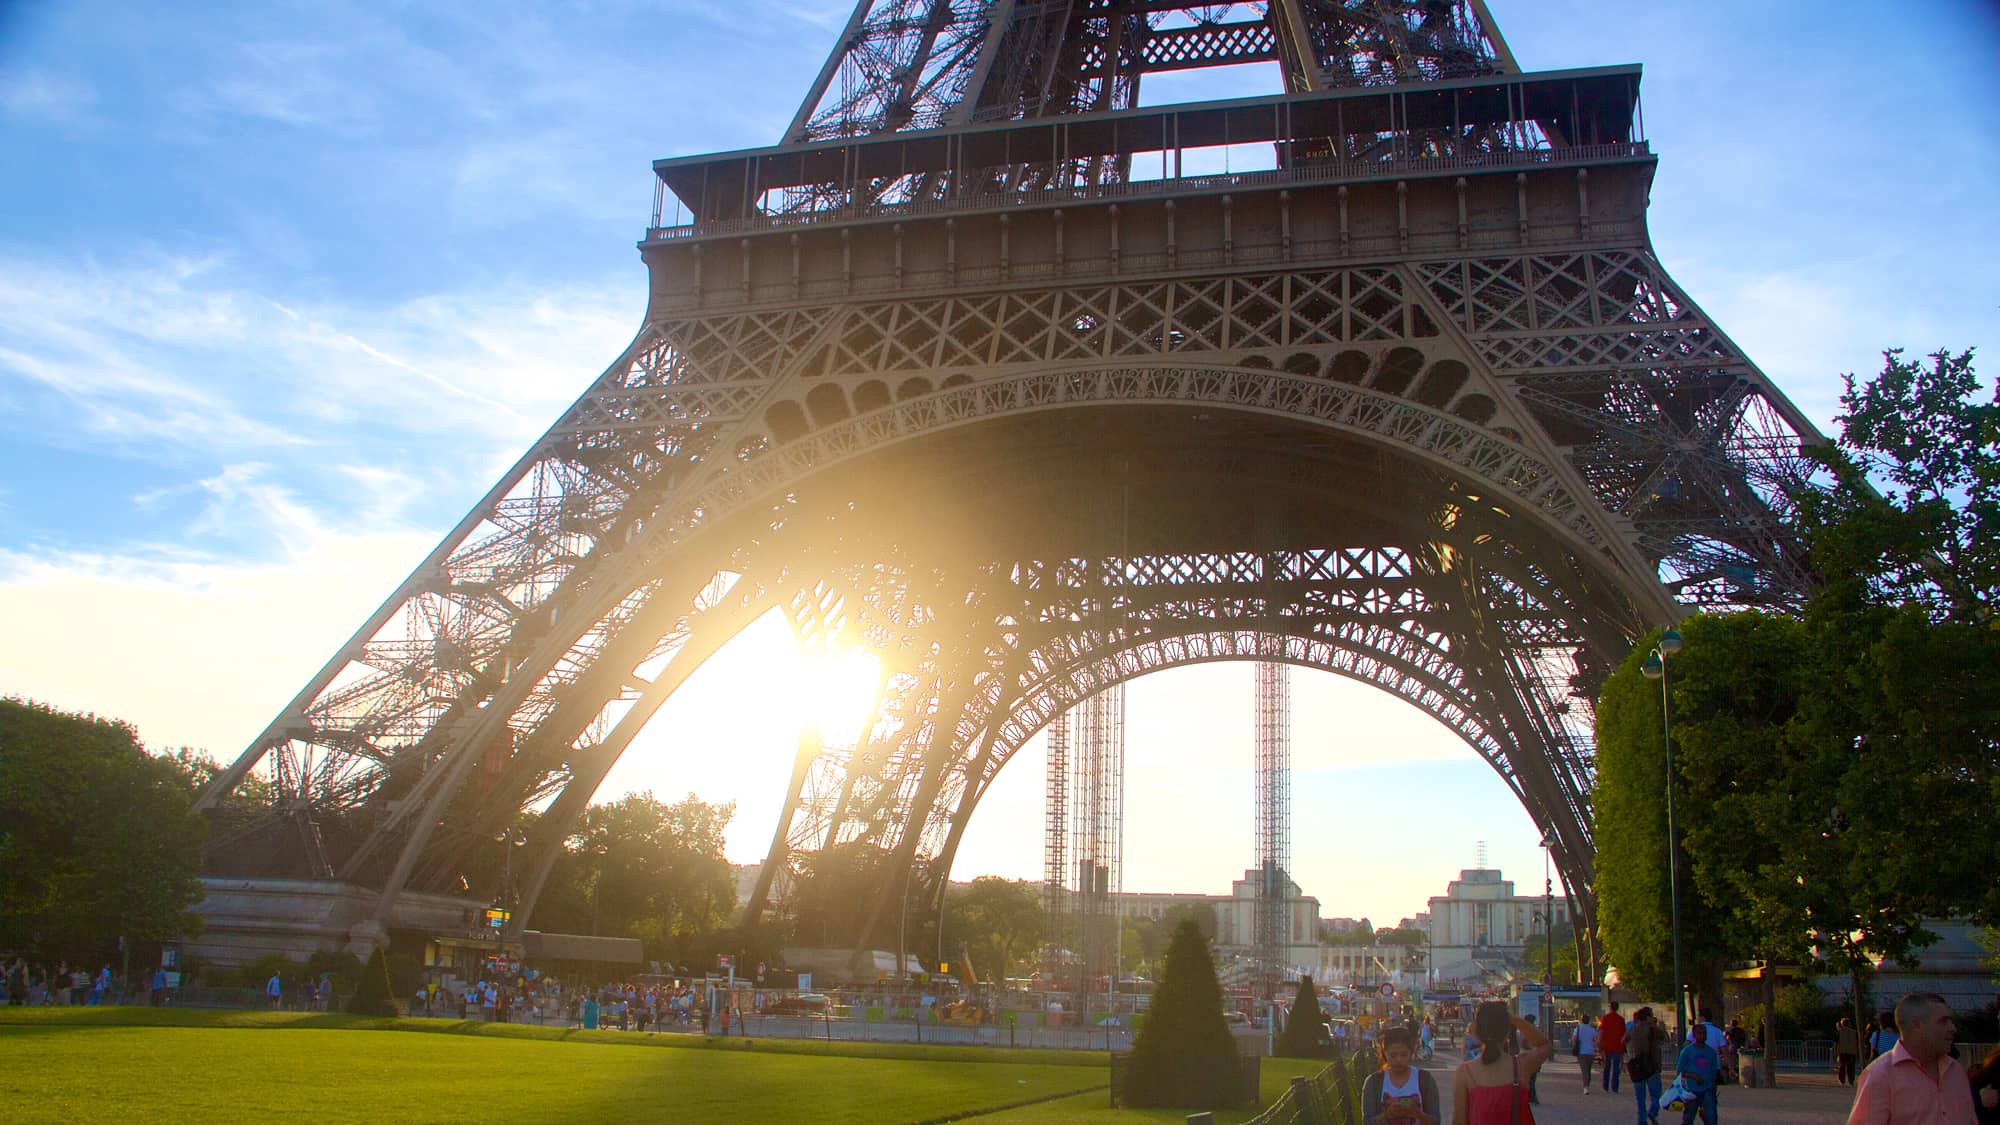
[1331, 1097]
[1803, 1054]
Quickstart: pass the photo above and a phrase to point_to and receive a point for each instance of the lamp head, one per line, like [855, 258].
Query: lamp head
[1654, 667]
[1670, 642]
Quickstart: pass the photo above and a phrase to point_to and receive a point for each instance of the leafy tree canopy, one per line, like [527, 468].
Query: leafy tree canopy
[1913, 514]
[96, 840]
[639, 867]
[1362, 934]
[999, 921]
[1836, 772]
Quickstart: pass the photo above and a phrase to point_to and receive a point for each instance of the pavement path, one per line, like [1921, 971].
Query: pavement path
[1799, 1099]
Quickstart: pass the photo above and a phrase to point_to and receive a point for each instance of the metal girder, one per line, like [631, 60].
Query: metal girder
[1455, 445]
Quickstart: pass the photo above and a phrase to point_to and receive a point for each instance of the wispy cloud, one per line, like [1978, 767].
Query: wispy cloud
[179, 351]
[40, 95]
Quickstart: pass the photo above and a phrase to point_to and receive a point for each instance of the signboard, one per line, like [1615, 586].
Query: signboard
[496, 917]
[1388, 992]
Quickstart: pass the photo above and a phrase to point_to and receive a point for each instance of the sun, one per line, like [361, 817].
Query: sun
[836, 692]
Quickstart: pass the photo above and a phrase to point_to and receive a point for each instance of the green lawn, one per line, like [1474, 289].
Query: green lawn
[143, 1065]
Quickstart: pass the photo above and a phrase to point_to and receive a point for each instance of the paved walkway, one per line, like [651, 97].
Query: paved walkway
[1800, 1099]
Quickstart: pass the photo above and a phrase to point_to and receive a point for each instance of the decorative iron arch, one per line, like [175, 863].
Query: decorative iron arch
[1468, 309]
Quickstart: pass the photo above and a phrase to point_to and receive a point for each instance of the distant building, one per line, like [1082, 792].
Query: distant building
[1479, 925]
[1360, 966]
[1236, 918]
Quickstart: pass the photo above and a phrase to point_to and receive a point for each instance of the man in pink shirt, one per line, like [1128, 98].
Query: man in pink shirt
[1917, 1082]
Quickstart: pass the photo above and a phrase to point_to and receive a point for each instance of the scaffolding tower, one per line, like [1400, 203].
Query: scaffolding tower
[1055, 854]
[1082, 844]
[1273, 828]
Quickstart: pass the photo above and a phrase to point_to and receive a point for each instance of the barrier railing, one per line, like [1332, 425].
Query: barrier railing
[1304, 172]
[1331, 1097]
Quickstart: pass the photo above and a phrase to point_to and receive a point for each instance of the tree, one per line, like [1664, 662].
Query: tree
[999, 921]
[638, 867]
[838, 889]
[1540, 942]
[1907, 543]
[1362, 934]
[1816, 755]
[1929, 535]
[196, 769]
[1755, 785]
[1184, 1055]
[376, 995]
[96, 839]
[1303, 1037]
[1400, 936]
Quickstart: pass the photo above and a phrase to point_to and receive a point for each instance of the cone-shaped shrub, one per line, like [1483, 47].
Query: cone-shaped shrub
[1301, 1039]
[1184, 1055]
[373, 997]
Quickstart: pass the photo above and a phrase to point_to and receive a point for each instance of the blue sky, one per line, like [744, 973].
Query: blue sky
[284, 287]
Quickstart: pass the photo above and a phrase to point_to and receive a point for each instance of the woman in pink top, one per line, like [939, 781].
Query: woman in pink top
[1493, 1088]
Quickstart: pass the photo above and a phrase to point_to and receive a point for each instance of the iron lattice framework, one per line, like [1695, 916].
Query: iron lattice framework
[1273, 820]
[1415, 404]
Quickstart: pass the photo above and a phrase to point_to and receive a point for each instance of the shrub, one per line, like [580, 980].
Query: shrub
[259, 971]
[405, 973]
[374, 996]
[1184, 1056]
[1304, 1036]
[343, 967]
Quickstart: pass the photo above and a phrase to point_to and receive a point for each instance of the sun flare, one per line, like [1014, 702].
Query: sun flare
[837, 691]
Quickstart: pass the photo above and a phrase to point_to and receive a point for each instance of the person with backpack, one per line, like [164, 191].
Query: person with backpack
[1399, 1091]
[1643, 1039]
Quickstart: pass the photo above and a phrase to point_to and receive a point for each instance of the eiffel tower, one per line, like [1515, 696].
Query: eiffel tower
[1030, 388]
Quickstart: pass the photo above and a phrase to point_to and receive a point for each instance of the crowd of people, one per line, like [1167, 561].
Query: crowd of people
[35, 985]
[524, 995]
[1912, 1076]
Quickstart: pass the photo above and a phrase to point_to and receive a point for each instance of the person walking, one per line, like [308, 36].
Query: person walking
[1916, 1082]
[1643, 1039]
[1611, 1045]
[1492, 1088]
[1882, 1037]
[1400, 1091]
[1699, 1066]
[1846, 1048]
[1586, 1049]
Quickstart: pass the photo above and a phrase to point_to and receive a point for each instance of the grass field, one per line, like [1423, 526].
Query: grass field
[142, 1065]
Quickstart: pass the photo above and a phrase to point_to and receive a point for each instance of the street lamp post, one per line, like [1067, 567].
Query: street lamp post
[1548, 911]
[1655, 668]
